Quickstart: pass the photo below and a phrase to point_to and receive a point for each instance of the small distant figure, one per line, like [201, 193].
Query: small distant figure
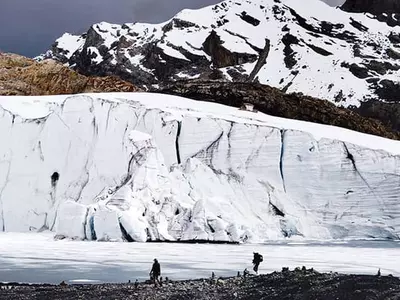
[245, 273]
[238, 274]
[213, 279]
[379, 272]
[155, 272]
[136, 284]
[257, 259]
[63, 283]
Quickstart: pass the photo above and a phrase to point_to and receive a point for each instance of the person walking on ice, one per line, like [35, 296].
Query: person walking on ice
[257, 259]
[155, 272]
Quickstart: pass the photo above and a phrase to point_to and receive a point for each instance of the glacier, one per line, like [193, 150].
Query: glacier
[151, 167]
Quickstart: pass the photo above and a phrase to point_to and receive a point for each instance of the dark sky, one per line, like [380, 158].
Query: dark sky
[29, 27]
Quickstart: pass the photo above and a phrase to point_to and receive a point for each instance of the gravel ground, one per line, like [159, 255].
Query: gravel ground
[296, 284]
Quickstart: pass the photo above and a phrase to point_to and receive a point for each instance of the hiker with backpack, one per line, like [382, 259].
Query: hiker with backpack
[155, 273]
[257, 259]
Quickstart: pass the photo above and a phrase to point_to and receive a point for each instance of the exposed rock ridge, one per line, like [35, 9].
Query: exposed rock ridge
[23, 76]
[274, 102]
[372, 6]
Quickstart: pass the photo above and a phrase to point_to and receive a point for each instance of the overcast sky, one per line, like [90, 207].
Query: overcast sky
[29, 27]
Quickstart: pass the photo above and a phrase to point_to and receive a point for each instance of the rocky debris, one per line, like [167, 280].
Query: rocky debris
[300, 283]
[272, 101]
[23, 76]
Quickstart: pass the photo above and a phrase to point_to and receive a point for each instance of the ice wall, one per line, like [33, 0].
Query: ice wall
[140, 167]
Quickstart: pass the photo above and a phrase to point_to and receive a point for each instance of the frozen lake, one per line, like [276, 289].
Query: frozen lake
[37, 258]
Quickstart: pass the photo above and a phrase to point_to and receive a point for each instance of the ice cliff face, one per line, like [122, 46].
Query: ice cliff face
[297, 46]
[141, 167]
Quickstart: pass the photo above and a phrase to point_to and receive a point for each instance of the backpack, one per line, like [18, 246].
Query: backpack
[257, 257]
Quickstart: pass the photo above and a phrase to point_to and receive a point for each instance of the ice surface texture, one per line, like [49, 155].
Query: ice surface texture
[139, 167]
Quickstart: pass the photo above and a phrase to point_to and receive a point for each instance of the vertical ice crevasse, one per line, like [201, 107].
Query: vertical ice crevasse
[281, 158]
[178, 133]
[3, 227]
[353, 161]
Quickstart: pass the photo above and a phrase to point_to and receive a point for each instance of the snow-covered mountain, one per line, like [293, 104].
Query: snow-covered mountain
[298, 46]
[138, 167]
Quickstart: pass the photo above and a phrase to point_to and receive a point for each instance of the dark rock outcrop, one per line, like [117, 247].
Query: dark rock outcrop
[372, 6]
[381, 67]
[288, 40]
[394, 38]
[222, 57]
[358, 71]
[274, 102]
[387, 112]
[262, 59]
[249, 19]
[388, 90]
[387, 11]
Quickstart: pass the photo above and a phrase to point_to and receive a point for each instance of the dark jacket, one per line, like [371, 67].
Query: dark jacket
[156, 269]
[257, 258]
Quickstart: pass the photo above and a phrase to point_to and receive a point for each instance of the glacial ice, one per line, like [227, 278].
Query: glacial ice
[139, 167]
[72, 220]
